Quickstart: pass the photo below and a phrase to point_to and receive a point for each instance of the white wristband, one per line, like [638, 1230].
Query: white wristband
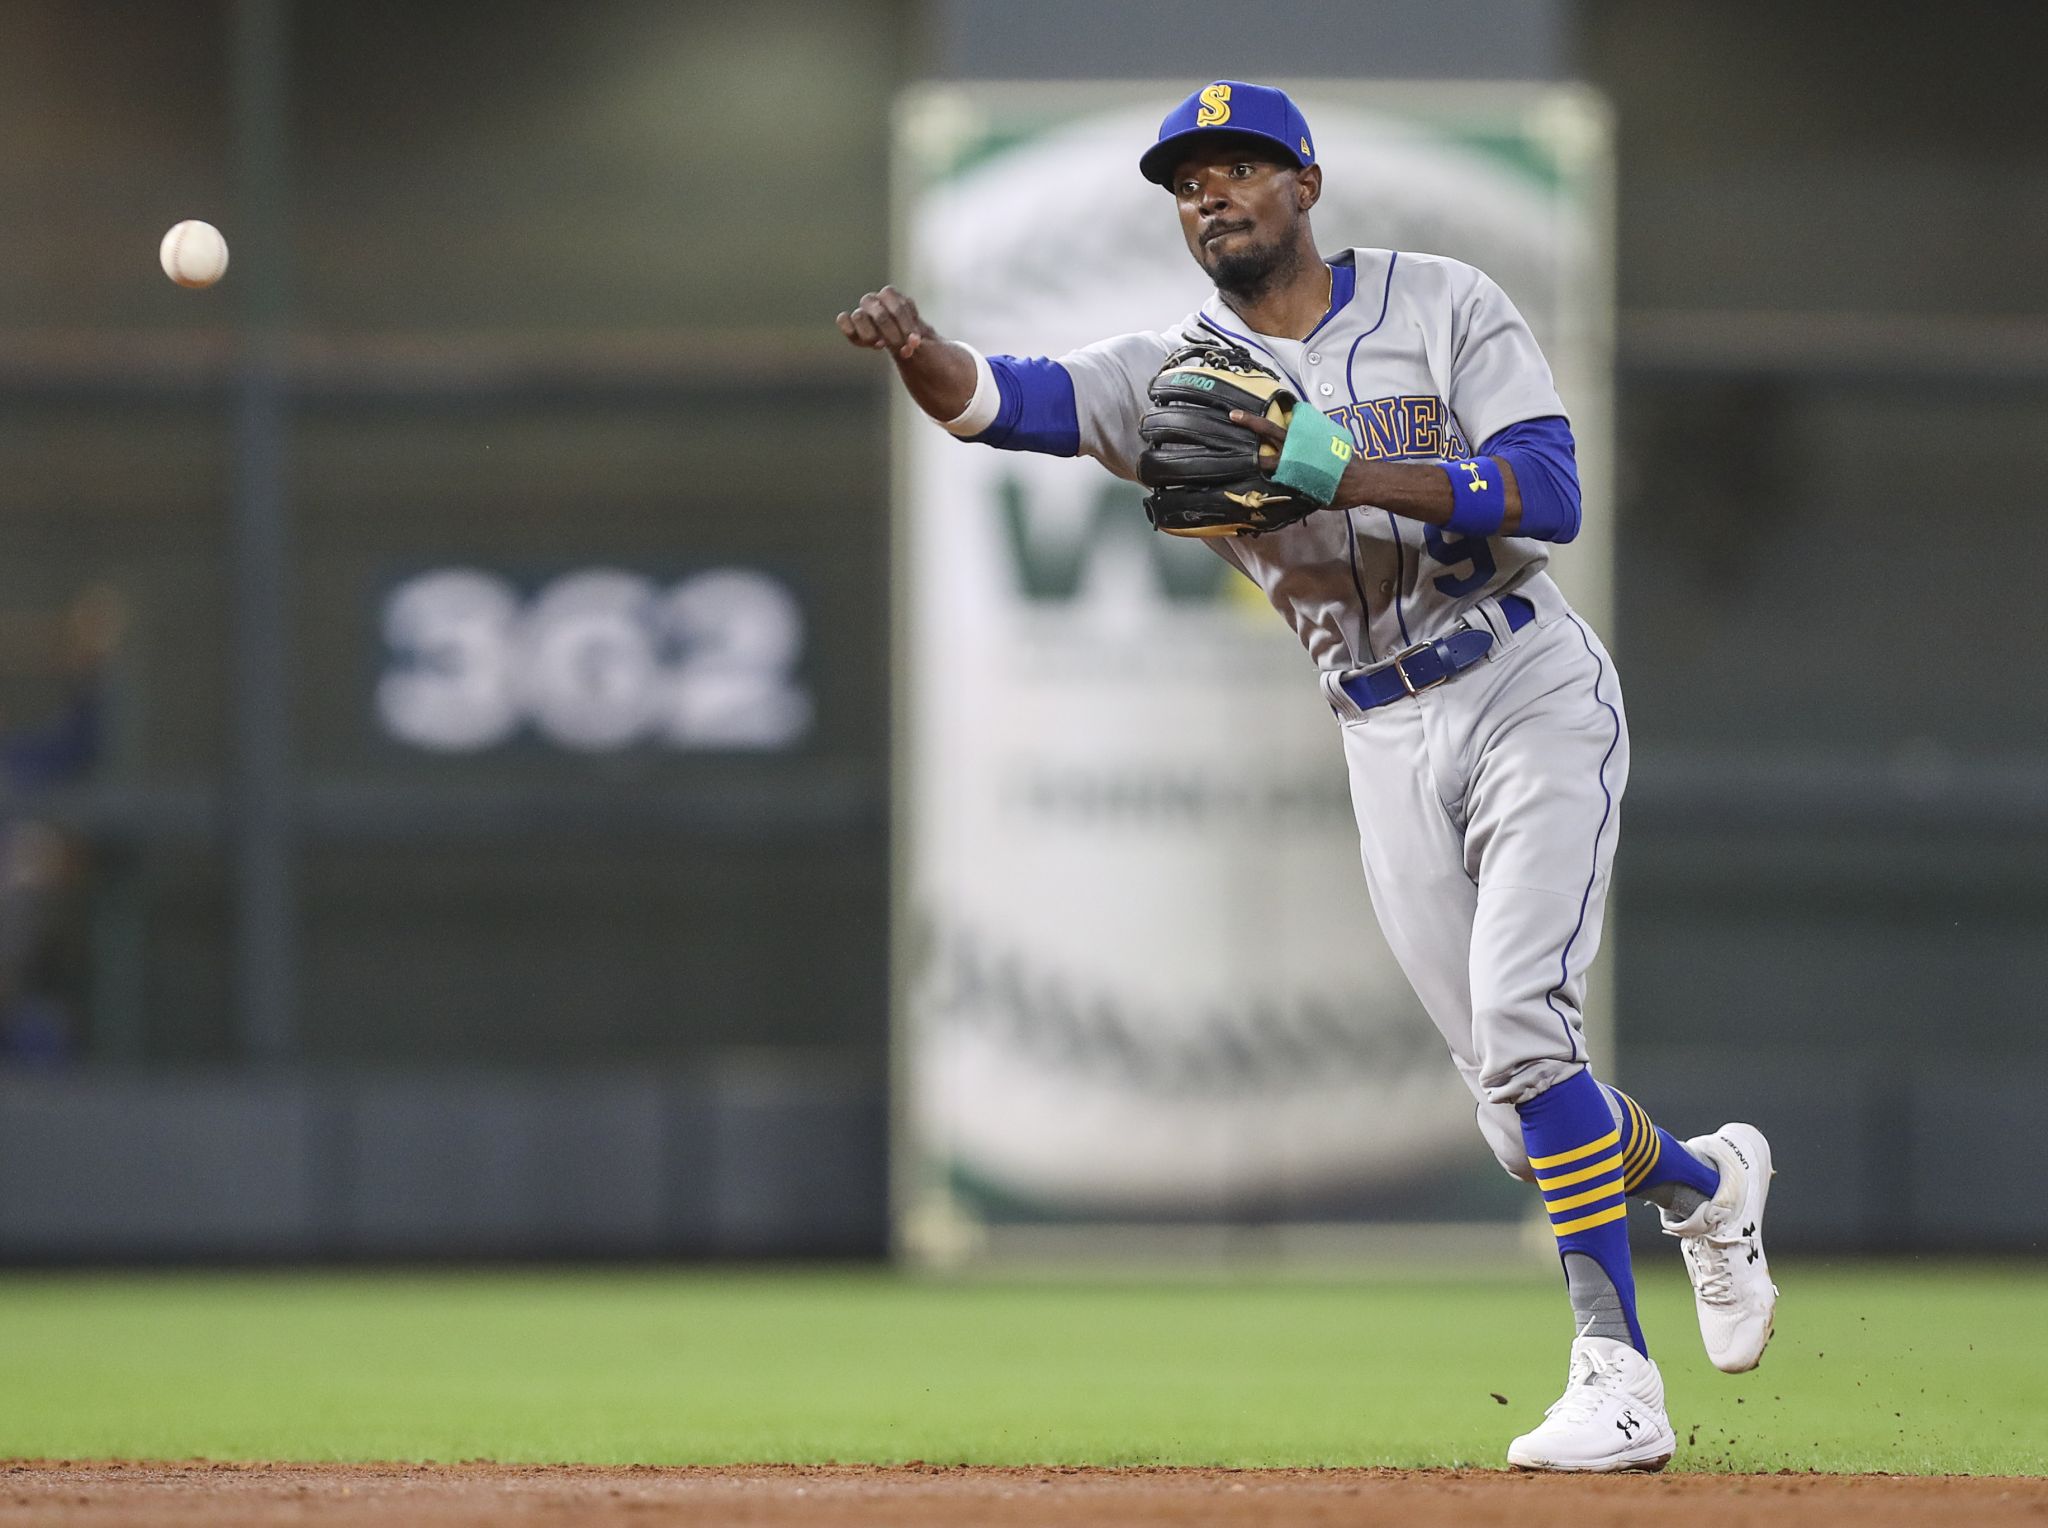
[986, 403]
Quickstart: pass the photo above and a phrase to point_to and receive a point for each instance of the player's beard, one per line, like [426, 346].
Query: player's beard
[1246, 275]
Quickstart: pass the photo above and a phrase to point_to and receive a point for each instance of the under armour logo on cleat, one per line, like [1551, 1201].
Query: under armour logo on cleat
[1628, 1425]
[1749, 1231]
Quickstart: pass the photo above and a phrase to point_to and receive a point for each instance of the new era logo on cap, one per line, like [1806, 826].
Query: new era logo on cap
[1228, 106]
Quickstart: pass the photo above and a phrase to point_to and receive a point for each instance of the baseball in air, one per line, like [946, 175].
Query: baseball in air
[194, 254]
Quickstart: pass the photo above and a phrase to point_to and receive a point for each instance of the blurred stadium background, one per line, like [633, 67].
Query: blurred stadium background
[315, 950]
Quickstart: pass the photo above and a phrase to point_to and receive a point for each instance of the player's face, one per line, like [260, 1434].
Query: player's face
[1240, 205]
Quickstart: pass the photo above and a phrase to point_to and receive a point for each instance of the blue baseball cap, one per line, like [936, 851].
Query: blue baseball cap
[1229, 106]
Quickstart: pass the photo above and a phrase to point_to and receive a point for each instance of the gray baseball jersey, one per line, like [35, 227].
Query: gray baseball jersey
[1428, 358]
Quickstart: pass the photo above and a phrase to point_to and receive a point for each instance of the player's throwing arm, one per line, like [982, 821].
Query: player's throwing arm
[939, 374]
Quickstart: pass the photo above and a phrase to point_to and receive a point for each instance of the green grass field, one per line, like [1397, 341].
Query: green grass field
[1912, 1368]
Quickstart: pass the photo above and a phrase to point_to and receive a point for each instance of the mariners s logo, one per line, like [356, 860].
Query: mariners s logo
[1215, 107]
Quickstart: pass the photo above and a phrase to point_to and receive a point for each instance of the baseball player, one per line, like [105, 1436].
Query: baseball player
[1429, 464]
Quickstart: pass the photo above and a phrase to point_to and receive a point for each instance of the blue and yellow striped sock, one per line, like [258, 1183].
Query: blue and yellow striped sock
[1576, 1150]
[1653, 1158]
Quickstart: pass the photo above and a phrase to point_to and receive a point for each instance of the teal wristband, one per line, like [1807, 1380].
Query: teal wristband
[1316, 454]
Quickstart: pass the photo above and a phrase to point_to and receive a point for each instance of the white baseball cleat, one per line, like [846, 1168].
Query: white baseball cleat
[1610, 1417]
[1723, 1242]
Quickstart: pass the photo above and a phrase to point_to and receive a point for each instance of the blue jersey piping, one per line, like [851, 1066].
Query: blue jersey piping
[1401, 575]
[1358, 583]
[1607, 812]
[1400, 550]
[1343, 287]
[1386, 298]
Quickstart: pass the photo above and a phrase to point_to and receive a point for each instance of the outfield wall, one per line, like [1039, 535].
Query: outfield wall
[742, 1156]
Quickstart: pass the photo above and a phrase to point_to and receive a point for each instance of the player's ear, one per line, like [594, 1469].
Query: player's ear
[1308, 187]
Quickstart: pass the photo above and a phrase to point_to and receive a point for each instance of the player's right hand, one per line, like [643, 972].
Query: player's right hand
[886, 320]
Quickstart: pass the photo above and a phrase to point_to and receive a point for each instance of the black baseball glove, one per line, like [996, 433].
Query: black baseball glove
[1205, 473]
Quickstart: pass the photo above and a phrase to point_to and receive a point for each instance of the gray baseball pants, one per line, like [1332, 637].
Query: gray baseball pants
[1488, 810]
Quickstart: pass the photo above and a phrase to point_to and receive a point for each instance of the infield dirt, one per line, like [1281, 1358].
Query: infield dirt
[543, 1496]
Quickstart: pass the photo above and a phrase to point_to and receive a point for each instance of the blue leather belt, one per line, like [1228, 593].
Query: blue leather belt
[1429, 664]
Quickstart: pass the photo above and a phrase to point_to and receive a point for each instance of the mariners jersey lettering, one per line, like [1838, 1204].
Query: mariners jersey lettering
[1426, 360]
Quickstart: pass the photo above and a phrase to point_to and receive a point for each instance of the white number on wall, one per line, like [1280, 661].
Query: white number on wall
[451, 690]
[596, 661]
[729, 628]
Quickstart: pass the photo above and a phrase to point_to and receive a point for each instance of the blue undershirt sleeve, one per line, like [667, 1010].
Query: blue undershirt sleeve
[1037, 412]
[1546, 468]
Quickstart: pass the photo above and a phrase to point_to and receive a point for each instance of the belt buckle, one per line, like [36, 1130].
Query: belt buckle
[1401, 667]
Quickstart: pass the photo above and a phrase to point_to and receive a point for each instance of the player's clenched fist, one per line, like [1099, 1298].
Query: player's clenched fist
[939, 374]
[886, 320]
